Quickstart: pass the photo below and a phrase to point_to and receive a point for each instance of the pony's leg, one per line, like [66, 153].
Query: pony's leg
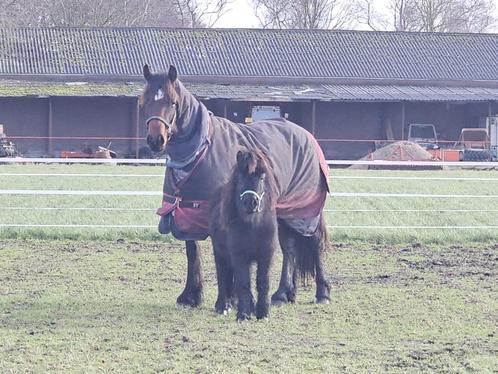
[319, 243]
[286, 291]
[263, 286]
[192, 294]
[242, 277]
[224, 275]
[322, 286]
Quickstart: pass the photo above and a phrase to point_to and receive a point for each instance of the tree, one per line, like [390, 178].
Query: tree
[97, 13]
[369, 15]
[195, 13]
[442, 15]
[304, 14]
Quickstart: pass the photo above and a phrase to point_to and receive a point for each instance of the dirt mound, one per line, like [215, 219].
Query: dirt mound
[399, 151]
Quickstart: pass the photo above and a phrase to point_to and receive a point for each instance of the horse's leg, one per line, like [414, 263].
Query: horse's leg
[192, 294]
[263, 286]
[286, 291]
[242, 277]
[319, 241]
[224, 275]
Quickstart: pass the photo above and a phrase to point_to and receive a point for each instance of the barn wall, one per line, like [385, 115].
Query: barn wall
[298, 112]
[26, 117]
[105, 117]
[358, 121]
[116, 117]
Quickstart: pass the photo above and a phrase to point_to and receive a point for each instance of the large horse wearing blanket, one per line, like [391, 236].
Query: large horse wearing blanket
[200, 156]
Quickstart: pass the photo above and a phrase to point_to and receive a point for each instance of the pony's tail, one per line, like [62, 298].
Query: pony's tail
[308, 251]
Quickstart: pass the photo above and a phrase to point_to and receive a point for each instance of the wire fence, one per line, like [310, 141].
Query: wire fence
[488, 198]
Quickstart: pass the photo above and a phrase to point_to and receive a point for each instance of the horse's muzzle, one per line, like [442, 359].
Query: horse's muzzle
[251, 204]
[156, 143]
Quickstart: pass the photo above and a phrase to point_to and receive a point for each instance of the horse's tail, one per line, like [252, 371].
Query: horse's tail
[308, 250]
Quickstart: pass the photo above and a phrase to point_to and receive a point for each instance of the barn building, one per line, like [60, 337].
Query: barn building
[70, 88]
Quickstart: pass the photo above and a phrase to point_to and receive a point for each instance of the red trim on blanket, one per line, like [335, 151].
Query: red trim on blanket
[187, 219]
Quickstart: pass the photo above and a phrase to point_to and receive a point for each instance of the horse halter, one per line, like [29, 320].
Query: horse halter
[168, 125]
[259, 198]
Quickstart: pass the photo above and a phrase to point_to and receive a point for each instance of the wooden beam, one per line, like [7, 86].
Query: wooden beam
[313, 117]
[403, 120]
[137, 125]
[50, 127]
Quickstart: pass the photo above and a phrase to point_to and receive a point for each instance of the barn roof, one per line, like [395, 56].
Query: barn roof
[258, 54]
[260, 92]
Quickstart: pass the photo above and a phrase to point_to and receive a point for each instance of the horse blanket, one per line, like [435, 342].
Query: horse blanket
[299, 166]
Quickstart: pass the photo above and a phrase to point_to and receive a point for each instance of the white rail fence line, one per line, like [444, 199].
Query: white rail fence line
[333, 194]
[331, 177]
[21, 160]
[435, 211]
[157, 193]
[13, 225]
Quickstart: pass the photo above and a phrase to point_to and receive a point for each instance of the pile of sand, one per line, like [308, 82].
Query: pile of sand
[399, 151]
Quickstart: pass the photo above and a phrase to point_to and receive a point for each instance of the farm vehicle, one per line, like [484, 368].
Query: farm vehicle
[7, 148]
[474, 144]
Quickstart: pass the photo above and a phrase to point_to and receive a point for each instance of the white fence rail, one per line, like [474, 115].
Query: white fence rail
[333, 194]
[133, 161]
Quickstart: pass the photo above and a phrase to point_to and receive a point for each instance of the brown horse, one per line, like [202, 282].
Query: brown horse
[200, 156]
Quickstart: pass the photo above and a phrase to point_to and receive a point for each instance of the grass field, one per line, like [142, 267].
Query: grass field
[89, 306]
[404, 300]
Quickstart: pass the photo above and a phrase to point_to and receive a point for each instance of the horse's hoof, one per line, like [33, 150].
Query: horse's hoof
[189, 299]
[242, 317]
[279, 299]
[323, 300]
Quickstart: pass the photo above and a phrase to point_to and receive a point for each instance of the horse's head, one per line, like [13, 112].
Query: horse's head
[254, 182]
[160, 103]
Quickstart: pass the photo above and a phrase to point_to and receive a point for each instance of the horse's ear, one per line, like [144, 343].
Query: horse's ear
[172, 74]
[146, 71]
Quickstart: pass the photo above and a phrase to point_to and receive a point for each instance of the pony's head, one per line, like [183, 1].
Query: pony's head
[160, 103]
[253, 184]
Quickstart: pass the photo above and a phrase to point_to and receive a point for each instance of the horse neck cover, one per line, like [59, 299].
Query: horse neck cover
[193, 131]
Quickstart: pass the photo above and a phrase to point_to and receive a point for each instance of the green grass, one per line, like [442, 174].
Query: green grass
[344, 209]
[90, 306]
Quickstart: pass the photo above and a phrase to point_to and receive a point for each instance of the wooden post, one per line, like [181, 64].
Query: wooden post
[313, 117]
[50, 128]
[225, 109]
[403, 120]
[137, 126]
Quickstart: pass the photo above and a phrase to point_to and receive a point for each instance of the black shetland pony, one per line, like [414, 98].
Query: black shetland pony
[201, 153]
[243, 226]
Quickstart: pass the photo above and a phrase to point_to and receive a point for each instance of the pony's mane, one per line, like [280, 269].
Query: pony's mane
[248, 164]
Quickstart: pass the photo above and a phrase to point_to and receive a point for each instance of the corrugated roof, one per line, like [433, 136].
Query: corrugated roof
[410, 93]
[250, 53]
[261, 92]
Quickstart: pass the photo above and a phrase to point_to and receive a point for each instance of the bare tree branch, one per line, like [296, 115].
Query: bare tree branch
[98, 13]
[306, 14]
[200, 13]
[443, 15]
